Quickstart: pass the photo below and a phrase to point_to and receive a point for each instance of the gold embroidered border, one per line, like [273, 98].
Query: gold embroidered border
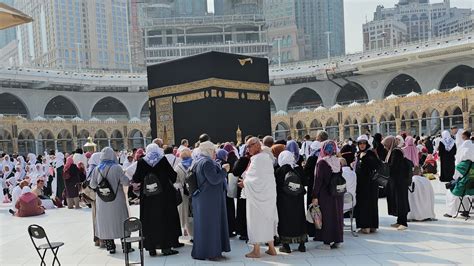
[190, 97]
[231, 95]
[253, 96]
[207, 83]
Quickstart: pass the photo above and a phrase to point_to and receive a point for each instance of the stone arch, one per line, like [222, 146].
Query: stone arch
[11, 104]
[26, 142]
[314, 127]
[332, 128]
[45, 141]
[402, 85]
[82, 137]
[301, 129]
[351, 92]
[409, 122]
[430, 121]
[272, 106]
[61, 106]
[64, 141]
[461, 75]
[116, 140]
[6, 144]
[135, 139]
[145, 111]
[282, 131]
[452, 116]
[110, 107]
[304, 98]
[101, 139]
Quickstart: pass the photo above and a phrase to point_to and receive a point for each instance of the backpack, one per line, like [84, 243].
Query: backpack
[292, 184]
[191, 180]
[382, 174]
[461, 186]
[337, 185]
[104, 189]
[152, 185]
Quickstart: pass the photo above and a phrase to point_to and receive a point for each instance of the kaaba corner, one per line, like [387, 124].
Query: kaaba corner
[221, 94]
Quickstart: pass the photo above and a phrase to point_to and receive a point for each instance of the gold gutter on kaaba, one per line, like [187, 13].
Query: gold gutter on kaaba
[208, 83]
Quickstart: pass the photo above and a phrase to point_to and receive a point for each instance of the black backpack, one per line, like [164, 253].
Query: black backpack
[191, 180]
[337, 185]
[152, 185]
[104, 189]
[292, 184]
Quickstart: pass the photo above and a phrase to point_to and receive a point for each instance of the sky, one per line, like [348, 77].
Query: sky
[356, 12]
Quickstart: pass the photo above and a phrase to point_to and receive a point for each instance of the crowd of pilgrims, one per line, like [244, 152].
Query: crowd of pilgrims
[242, 190]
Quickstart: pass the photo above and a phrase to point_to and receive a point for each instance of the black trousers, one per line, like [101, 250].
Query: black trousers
[402, 219]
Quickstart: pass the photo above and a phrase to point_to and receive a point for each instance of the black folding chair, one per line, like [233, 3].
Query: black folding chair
[37, 232]
[469, 185]
[349, 198]
[130, 226]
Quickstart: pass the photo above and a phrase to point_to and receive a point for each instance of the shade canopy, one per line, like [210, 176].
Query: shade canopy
[10, 17]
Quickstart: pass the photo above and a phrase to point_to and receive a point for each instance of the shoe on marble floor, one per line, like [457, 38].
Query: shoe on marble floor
[402, 228]
[447, 215]
[336, 245]
[395, 225]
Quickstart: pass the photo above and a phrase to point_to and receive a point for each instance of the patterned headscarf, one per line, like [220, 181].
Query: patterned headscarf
[328, 152]
[153, 154]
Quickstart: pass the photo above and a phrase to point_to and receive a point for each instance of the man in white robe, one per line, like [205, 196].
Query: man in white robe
[259, 188]
[421, 198]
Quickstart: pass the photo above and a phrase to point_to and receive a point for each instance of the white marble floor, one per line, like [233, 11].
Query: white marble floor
[446, 241]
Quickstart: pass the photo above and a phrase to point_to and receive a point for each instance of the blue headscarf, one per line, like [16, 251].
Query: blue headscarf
[153, 154]
[107, 158]
[186, 162]
[292, 147]
[221, 155]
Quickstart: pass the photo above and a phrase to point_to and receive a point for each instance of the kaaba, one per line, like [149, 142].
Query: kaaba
[220, 94]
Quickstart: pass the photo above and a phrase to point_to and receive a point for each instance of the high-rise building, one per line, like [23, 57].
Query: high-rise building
[323, 22]
[287, 42]
[7, 35]
[230, 7]
[239, 29]
[190, 8]
[415, 21]
[75, 34]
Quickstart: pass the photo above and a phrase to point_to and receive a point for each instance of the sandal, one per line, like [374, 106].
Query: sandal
[169, 252]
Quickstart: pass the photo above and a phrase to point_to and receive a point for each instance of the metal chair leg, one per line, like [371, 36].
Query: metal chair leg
[55, 253]
[142, 261]
[42, 257]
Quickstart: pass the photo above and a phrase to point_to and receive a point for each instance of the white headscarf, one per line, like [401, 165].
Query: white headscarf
[207, 148]
[447, 140]
[6, 173]
[31, 159]
[59, 159]
[93, 162]
[25, 189]
[467, 151]
[401, 141]
[153, 154]
[286, 157]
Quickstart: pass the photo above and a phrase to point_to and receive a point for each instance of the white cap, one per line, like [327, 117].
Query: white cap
[363, 138]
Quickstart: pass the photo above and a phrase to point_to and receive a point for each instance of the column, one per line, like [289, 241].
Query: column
[420, 125]
[108, 140]
[55, 144]
[74, 143]
[125, 143]
[144, 142]
[408, 126]
[36, 147]
[387, 126]
[351, 132]
[465, 120]
[341, 132]
[15, 145]
[360, 129]
[442, 123]
[450, 122]
[398, 125]
[377, 127]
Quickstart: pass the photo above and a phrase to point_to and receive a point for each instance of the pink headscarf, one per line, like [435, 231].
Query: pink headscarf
[69, 163]
[410, 151]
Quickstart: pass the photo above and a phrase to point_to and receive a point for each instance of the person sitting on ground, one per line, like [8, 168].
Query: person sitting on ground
[28, 204]
[421, 198]
[46, 202]
[351, 183]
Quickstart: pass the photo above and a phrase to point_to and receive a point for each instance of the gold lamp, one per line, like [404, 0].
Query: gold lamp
[90, 145]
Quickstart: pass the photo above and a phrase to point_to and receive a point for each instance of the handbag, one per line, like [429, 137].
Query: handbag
[382, 174]
[87, 194]
[315, 216]
[232, 187]
[179, 197]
